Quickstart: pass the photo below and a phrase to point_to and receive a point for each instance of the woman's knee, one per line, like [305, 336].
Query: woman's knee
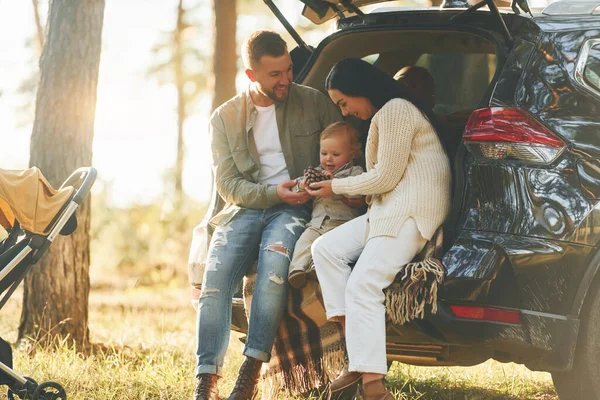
[324, 253]
[317, 249]
[361, 289]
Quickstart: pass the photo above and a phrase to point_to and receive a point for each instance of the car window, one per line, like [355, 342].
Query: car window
[371, 59]
[461, 79]
[591, 72]
[462, 64]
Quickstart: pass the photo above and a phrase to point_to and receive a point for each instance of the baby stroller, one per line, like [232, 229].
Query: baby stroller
[33, 214]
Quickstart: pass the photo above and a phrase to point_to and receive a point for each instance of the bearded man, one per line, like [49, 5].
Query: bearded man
[260, 139]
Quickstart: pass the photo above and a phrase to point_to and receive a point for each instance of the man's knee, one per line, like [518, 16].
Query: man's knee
[276, 259]
[279, 249]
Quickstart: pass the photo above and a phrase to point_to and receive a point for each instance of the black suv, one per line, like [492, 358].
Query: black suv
[518, 92]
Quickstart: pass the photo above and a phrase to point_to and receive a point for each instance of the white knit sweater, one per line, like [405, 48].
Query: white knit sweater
[408, 173]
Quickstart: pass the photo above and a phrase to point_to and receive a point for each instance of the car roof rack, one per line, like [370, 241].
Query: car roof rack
[516, 4]
[566, 7]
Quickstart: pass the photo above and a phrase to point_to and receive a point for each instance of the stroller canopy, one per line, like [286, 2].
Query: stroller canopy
[28, 197]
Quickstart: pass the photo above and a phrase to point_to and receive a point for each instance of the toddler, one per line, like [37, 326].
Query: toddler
[339, 148]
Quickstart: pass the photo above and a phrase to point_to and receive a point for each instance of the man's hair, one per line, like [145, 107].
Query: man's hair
[262, 43]
[346, 129]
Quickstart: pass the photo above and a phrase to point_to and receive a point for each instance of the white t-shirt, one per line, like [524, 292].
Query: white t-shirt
[273, 169]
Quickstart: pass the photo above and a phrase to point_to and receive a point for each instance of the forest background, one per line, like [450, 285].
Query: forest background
[164, 66]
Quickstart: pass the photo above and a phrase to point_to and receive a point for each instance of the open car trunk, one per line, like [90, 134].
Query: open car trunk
[477, 59]
[462, 64]
[463, 49]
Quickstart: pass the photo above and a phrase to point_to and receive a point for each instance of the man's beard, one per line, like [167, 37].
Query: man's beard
[271, 93]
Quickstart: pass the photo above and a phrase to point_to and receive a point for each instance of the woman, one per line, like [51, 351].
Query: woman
[407, 185]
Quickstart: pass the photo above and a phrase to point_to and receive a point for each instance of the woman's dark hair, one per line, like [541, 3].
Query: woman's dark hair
[357, 78]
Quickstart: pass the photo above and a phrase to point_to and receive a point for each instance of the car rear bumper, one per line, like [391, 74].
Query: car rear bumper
[541, 342]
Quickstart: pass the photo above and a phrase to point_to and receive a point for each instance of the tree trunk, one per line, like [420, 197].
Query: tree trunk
[38, 26]
[181, 106]
[56, 292]
[224, 56]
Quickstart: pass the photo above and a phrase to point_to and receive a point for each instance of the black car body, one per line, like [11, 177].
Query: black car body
[519, 96]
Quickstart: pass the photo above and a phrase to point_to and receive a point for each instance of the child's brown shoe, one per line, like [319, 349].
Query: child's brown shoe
[297, 279]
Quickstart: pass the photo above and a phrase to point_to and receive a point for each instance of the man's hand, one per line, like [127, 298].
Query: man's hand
[286, 195]
[355, 202]
[320, 189]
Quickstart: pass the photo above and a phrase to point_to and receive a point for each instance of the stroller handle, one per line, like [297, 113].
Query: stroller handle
[82, 180]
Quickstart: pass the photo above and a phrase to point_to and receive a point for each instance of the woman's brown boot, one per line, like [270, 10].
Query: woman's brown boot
[345, 385]
[375, 390]
[245, 387]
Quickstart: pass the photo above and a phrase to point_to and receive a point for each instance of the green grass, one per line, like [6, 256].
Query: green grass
[145, 340]
[490, 380]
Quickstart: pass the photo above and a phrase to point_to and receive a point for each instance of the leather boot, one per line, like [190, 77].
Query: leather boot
[245, 387]
[346, 382]
[375, 390]
[206, 389]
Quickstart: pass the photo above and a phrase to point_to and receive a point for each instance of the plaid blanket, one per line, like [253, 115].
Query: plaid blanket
[308, 351]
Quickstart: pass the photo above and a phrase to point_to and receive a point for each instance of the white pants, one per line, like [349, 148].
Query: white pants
[357, 293]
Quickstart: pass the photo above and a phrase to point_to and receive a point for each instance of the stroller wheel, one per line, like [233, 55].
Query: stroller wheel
[22, 392]
[49, 391]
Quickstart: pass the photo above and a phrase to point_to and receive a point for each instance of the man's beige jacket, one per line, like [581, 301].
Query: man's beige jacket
[300, 120]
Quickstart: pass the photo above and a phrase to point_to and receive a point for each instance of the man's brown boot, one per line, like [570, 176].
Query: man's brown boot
[206, 389]
[375, 390]
[245, 387]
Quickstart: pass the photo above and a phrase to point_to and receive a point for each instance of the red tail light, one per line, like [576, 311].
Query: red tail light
[486, 314]
[510, 133]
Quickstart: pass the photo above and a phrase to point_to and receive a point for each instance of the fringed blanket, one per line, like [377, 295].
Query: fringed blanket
[414, 289]
[309, 352]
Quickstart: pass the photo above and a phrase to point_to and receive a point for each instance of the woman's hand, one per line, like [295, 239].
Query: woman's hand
[320, 189]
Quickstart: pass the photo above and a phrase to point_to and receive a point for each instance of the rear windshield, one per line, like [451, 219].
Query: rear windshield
[462, 64]
[461, 78]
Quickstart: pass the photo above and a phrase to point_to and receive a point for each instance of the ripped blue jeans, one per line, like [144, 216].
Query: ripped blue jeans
[270, 235]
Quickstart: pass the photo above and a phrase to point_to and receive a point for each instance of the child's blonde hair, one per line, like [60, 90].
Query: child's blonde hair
[345, 128]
